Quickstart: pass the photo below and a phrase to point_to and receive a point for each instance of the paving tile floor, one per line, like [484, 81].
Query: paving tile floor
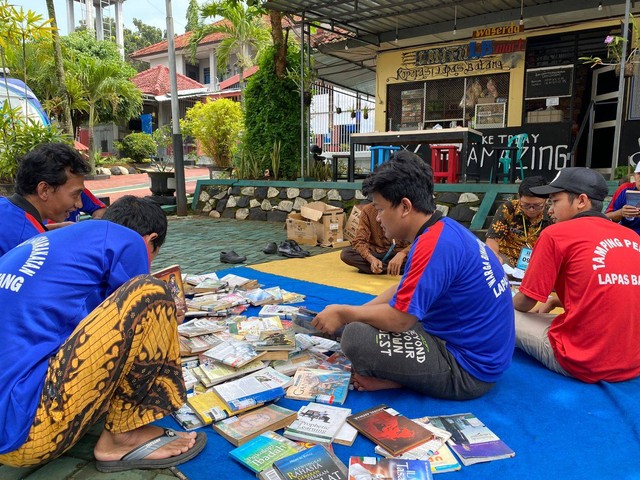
[193, 242]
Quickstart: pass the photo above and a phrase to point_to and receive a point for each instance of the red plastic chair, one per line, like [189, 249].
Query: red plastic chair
[445, 161]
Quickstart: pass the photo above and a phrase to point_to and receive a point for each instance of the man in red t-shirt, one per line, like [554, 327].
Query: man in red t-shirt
[592, 264]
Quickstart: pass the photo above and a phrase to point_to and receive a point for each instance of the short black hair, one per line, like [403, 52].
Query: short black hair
[524, 190]
[141, 215]
[48, 162]
[405, 175]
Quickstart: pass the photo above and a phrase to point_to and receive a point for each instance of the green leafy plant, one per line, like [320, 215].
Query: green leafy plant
[217, 125]
[321, 171]
[249, 165]
[19, 136]
[365, 112]
[275, 159]
[272, 113]
[138, 146]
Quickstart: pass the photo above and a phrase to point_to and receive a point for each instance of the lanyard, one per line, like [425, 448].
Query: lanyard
[526, 234]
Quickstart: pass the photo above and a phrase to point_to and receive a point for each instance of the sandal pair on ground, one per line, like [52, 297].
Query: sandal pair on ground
[137, 458]
[288, 248]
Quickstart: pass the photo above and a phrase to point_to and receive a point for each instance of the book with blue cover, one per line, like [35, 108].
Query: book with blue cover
[471, 440]
[315, 463]
[260, 452]
[321, 386]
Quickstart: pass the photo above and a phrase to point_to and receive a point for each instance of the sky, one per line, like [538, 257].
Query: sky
[151, 12]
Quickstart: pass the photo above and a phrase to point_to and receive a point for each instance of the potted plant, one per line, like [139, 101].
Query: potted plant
[338, 110]
[365, 112]
[352, 110]
[614, 45]
[142, 149]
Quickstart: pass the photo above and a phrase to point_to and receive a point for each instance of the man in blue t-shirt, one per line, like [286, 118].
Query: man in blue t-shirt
[622, 209]
[88, 332]
[91, 205]
[447, 330]
[49, 184]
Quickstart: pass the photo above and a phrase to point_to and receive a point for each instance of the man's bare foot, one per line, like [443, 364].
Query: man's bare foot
[370, 384]
[113, 446]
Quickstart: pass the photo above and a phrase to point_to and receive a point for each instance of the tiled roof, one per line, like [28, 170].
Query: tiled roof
[157, 81]
[181, 42]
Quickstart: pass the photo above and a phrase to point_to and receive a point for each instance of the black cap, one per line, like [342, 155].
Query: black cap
[576, 180]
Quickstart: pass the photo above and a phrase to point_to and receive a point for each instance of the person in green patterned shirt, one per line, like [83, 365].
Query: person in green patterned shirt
[518, 223]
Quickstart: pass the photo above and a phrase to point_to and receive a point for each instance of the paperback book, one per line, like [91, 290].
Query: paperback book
[317, 423]
[366, 468]
[298, 360]
[234, 353]
[471, 440]
[201, 326]
[258, 387]
[201, 343]
[389, 429]
[242, 283]
[282, 311]
[211, 373]
[241, 429]
[209, 407]
[260, 452]
[276, 340]
[320, 385]
[173, 278]
[633, 198]
[187, 418]
[253, 326]
[258, 296]
[315, 463]
[425, 450]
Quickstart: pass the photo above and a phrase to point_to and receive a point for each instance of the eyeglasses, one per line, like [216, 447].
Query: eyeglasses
[533, 206]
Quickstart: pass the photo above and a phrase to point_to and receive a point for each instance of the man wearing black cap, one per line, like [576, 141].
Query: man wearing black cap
[592, 264]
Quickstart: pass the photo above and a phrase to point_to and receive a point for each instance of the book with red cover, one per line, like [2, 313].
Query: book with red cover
[389, 429]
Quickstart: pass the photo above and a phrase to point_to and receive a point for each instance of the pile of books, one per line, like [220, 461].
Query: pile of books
[237, 365]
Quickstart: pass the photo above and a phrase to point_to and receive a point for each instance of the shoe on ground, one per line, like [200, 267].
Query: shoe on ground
[231, 257]
[297, 248]
[271, 248]
[286, 250]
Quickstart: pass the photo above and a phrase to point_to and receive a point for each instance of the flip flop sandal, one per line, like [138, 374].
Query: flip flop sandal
[135, 459]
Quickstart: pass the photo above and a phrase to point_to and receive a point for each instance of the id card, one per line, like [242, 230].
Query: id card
[523, 260]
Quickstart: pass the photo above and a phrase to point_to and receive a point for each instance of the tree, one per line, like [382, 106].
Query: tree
[144, 36]
[217, 125]
[243, 29]
[193, 16]
[106, 90]
[57, 56]
[273, 114]
[279, 39]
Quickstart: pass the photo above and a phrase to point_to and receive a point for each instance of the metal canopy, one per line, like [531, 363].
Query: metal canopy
[352, 32]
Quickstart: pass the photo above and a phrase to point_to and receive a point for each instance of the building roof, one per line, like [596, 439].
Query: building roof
[157, 81]
[181, 43]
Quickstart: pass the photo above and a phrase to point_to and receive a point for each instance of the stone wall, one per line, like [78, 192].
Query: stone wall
[274, 202]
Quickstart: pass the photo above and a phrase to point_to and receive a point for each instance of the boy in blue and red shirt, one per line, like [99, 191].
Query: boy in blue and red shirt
[447, 330]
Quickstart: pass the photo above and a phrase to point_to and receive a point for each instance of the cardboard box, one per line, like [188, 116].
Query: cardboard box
[301, 229]
[544, 116]
[328, 222]
[482, 100]
[351, 227]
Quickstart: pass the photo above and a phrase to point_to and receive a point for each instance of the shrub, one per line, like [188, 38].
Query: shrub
[217, 125]
[138, 146]
[18, 137]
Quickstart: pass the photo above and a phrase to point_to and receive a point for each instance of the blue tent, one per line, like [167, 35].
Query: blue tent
[21, 96]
